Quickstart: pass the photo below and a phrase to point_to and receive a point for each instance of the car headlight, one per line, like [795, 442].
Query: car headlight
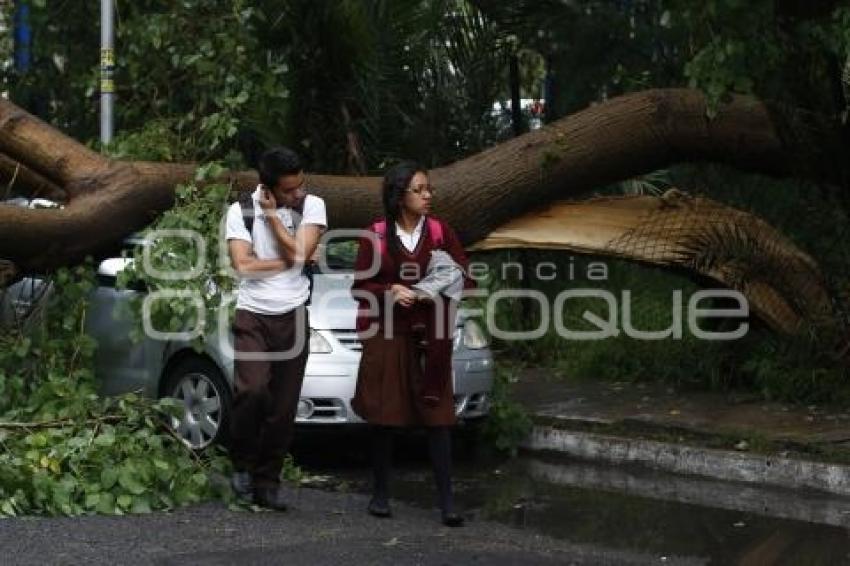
[474, 337]
[318, 344]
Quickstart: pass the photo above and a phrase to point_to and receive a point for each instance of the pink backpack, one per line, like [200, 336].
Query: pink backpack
[435, 230]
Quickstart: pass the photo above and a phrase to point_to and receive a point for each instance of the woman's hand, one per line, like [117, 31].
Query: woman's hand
[402, 295]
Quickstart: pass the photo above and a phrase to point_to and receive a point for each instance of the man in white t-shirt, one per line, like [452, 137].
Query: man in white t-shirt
[271, 329]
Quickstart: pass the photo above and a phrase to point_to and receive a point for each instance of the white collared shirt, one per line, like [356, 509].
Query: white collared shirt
[410, 241]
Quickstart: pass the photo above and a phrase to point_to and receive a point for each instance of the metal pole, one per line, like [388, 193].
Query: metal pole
[107, 70]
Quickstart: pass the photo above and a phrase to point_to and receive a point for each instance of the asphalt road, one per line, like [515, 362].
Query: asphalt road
[321, 528]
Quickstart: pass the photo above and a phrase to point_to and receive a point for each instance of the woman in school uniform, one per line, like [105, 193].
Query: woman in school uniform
[399, 326]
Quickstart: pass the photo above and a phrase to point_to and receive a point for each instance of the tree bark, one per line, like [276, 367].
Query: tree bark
[621, 138]
[14, 174]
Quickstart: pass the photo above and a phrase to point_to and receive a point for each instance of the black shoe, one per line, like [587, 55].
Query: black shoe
[242, 484]
[379, 509]
[270, 498]
[452, 520]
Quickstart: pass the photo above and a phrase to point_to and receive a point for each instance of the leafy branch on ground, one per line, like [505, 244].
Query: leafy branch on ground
[66, 450]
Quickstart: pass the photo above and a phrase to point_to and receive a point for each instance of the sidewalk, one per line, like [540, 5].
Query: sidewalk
[723, 436]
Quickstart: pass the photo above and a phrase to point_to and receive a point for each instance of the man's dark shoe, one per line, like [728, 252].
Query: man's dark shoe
[242, 484]
[380, 509]
[452, 520]
[270, 498]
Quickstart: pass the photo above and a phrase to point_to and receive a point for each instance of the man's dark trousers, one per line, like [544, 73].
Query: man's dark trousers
[267, 392]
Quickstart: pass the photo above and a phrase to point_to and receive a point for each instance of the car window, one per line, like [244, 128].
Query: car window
[22, 299]
[340, 255]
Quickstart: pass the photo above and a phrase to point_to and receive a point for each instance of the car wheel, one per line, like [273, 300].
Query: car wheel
[206, 398]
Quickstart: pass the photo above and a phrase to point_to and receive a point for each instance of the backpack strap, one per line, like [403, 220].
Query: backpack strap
[435, 230]
[246, 203]
[380, 228]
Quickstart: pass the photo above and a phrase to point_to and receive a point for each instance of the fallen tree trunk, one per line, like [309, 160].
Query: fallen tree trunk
[621, 138]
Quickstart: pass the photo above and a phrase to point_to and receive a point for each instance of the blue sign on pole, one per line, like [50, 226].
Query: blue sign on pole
[23, 37]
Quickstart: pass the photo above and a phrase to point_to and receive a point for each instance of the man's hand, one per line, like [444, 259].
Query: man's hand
[402, 295]
[317, 254]
[267, 201]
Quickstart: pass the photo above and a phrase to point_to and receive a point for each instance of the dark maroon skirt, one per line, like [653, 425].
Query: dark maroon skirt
[389, 386]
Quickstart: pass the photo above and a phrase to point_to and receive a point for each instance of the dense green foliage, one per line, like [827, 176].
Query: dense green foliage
[344, 82]
[66, 450]
[793, 52]
[347, 82]
[202, 260]
[354, 85]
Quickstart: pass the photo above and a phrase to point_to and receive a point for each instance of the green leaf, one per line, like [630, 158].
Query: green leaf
[92, 500]
[23, 347]
[105, 439]
[163, 470]
[6, 508]
[124, 501]
[106, 504]
[199, 479]
[128, 479]
[108, 478]
[141, 504]
[38, 440]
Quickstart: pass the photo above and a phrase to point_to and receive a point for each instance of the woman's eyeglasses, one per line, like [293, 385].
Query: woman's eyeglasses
[418, 190]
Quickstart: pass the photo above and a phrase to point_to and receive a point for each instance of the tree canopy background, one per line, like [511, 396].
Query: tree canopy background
[354, 85]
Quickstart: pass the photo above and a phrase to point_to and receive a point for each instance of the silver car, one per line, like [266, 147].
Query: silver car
[203, 380]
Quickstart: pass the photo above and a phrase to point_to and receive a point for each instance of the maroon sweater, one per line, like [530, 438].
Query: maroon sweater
[390, 272]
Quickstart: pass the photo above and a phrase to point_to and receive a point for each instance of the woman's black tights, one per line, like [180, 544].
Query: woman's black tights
[440, 448]
[382, 455]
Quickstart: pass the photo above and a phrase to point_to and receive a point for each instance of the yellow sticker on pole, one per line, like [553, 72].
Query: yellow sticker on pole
[107, 69]
[107, 57]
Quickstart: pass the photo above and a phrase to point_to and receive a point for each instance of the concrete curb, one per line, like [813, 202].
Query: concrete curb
[693, 460]
[796, 505]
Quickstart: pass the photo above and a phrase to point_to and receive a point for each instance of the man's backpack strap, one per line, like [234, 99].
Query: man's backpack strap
[246, 203]
[307, 269]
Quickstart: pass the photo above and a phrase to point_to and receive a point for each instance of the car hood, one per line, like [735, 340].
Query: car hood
[333, 308]
[331, 305]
